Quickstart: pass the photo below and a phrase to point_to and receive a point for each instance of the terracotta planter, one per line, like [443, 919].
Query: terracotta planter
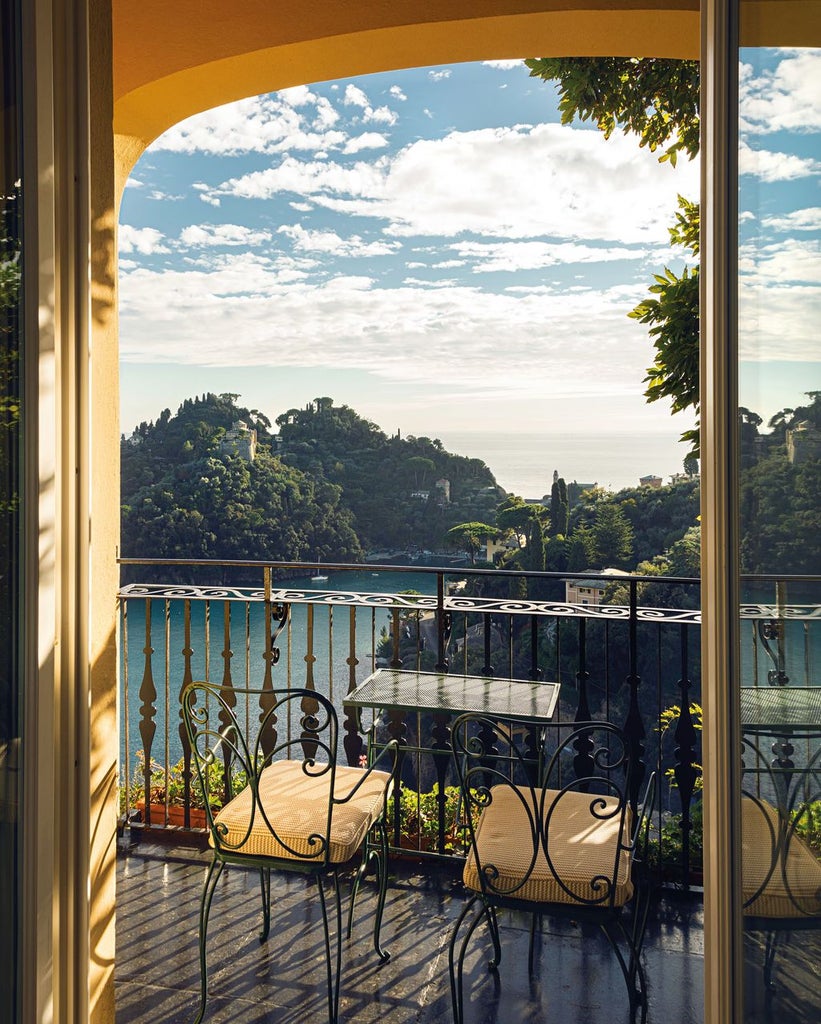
[176, 815]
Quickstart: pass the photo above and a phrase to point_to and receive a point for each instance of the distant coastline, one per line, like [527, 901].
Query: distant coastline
[523, 462]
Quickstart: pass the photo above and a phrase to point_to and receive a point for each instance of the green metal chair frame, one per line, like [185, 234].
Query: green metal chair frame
[295, 732]
[781, 875]
[536, 830]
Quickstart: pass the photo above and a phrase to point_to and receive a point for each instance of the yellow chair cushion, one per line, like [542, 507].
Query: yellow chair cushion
[793, 888]
[582, 847]
[296, 805]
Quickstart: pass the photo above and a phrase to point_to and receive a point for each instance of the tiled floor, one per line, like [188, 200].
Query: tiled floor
[283, 981]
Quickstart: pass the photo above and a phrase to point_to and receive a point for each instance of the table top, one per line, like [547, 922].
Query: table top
[781, 707]
[518, 700]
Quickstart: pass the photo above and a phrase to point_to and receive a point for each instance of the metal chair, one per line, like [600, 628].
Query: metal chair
[780, 872]
[288, 804]
[553, 836]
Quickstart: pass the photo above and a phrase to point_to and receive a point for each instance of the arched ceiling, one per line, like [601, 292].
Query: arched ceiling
[175, 59]
[172, 60]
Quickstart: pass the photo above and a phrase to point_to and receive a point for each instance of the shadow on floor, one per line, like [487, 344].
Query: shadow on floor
[577, 980]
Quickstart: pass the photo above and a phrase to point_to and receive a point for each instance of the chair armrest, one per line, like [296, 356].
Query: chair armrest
[392, 747]
[641, 829]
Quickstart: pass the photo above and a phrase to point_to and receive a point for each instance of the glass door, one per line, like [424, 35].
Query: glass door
[778, 481]
[10, 528]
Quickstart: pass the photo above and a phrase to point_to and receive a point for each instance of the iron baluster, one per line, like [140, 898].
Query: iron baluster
[487, 667]
[444, 623]
[441, 760]
[309, 705]
[148, 711]
[583, 763]
[397, 730]
[396, 659]
[187, 677]
[535, 669]
[633, 725]
[353, 743]
[228, 698]
[685, 771]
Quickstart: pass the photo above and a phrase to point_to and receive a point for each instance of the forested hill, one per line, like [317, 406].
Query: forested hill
[330, 486]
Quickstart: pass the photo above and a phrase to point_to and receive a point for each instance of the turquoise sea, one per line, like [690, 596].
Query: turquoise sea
[247, 646]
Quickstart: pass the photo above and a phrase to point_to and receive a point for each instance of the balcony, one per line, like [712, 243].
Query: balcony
[635, 662]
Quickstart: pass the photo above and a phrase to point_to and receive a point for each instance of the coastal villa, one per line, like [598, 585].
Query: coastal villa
[650, 481]
[803, 443]
[240, 440]
[588, 587]
[87, 86]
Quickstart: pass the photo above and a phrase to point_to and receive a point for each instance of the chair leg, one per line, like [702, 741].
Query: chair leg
[382, 877]
[332, 974]
[535, 922]
[456, 964]
[632, 969]
[380, 856]
[265, 887]
[211, 879]
[771, 944]
[493, 928]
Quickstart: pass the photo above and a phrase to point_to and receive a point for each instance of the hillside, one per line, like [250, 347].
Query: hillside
[329, 487]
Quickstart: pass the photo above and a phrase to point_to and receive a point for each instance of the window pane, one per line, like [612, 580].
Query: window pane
[779, 298]
[10, 471]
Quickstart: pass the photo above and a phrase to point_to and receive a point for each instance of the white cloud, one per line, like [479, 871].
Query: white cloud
[165, 197]
[438, 282]
[331, 243]
[397, 93]
[326, 114]
[355, 97]
[308, 179]
[787, 261]
[273, 316]
[517, 256]
[368, 140]
[504, 65]
[797, 220]
[381, 115]
[259, 124]
[768, 166]
[148, 241]
[522, 182]
[786, 97]
[222, 234]
[780, 300]
[132, 182]
[297, 95]
[211, 200]
[438, 76]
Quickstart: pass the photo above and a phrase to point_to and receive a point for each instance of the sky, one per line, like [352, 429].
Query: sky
[433, 248]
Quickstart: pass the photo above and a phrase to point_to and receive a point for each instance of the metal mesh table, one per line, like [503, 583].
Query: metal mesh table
[777, 709]
[515, 700]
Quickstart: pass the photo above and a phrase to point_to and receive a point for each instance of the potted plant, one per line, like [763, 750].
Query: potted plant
[167, 791]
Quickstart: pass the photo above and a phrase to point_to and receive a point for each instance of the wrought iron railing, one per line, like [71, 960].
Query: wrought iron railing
[624, 662]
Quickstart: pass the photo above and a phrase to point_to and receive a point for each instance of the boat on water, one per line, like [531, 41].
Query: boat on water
[318, 579]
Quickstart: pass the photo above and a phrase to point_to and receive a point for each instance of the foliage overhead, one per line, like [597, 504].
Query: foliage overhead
[652, 97]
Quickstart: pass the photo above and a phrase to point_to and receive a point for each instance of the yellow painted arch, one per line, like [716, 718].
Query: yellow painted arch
[173, 60]
[199, 55]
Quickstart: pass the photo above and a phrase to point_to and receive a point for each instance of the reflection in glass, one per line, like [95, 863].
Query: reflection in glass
[10, 470]
[779, 297]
